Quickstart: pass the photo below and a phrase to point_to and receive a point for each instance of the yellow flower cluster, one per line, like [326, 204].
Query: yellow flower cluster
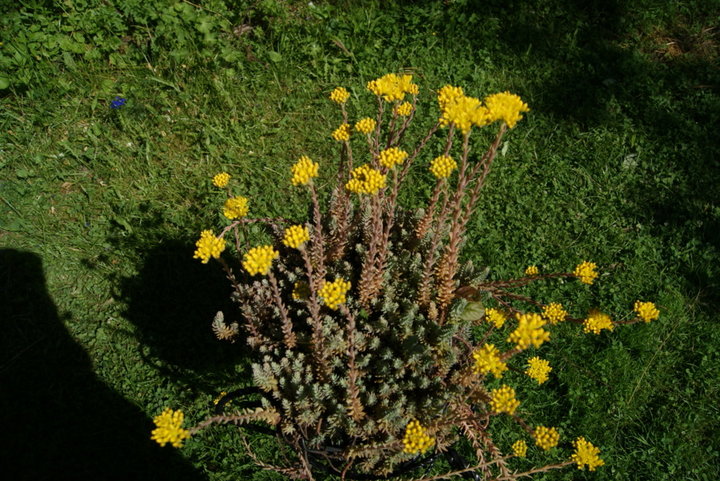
[365, 125]
[301, 290]
[168, 428]
[333, 293]
[304, 170]
[416, 440]
[208, 246]
[442, 166]
[392, 87]
[586, 454]
[538, 369]
[447, 94]
[597, 321]
[529, 331]
[391, 157]
[496, 317]
[404, 109]
[546, 438]
[519, 448]
[487, 359]
[502, 400]
[221, 180]
[342, 133]
[464, 112]
[235, 207]
[339, 95]
[259, 259]
[586, 272]
[295, 236]
[506, 107]
[532, 271]
[365, 180]
[646, 311]
[554, 313]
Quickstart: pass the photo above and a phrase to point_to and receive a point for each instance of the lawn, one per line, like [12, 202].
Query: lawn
[107, 315]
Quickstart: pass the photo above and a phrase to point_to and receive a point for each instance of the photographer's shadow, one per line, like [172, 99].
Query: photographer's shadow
[58, 419]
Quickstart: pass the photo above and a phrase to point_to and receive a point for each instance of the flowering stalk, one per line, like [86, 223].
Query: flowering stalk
[340, 207]
[287, 327]
[406, 123]
[391, 129]
[371, 277]
[378, 125]
[440, 186]
[318, 239]
[355, 407]
[318, 338]
[448, 265]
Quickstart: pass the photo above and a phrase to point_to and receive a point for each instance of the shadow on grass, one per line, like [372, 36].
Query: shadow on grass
[172, 302]
[57, 416]
[647, 68]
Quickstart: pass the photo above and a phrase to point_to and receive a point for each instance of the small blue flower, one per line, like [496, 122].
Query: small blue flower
[117, 103]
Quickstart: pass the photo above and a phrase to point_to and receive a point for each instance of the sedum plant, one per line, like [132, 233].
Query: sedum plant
[370, 340]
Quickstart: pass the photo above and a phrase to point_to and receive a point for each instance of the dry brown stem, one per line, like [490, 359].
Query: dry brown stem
[525, 474]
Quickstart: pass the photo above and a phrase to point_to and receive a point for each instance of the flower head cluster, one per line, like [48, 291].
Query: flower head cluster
[646, 311]
[304, 170]
[464, 112]
[529, 331]
[221, 180]
[519, 448]
[404, 109]
[546, 438]
[392, 87]
[487, 359]
[295, 236]
[208, 246]
[532, 271]
[442, 166]
[342, 133]
[586, 272]
[391, 157]
[597, 321]
[259, 259]
[333, 293]
[554, 313]
[506, 107]
[496, 317]
[339, 95]
[448, 93]
[586, 455]
[301, 290]
[502, 400]
[538, 369]
[117, 103]
[365, 180]
[235, 207]
[168, 428]
[416, 440]
[365, 125]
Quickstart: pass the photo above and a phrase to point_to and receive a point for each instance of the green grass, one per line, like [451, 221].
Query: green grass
[107, 316]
